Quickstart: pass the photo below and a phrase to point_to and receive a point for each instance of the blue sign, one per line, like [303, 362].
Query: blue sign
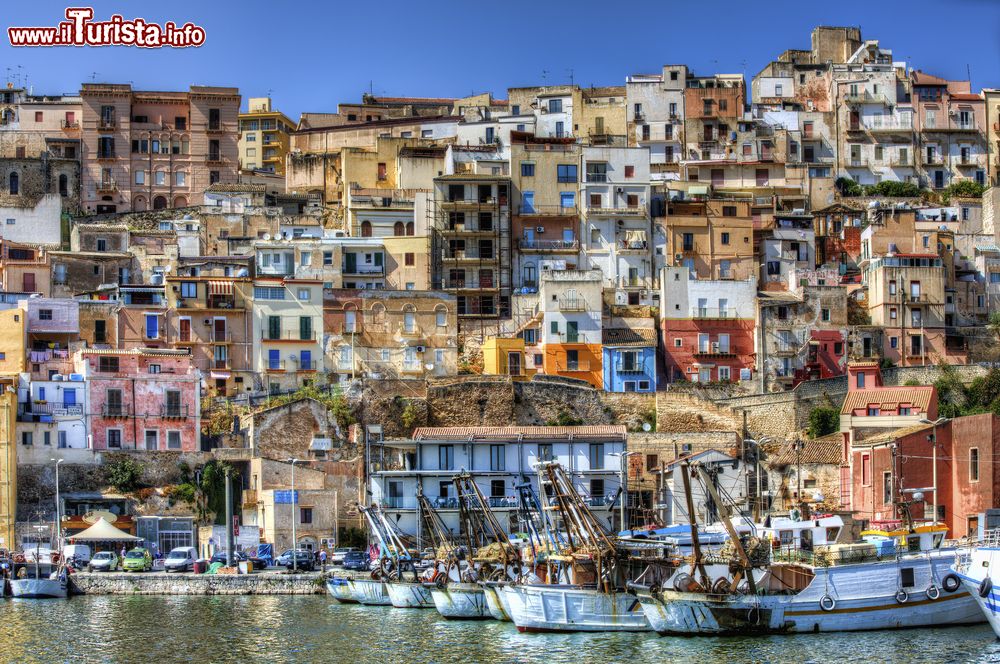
[286, 497]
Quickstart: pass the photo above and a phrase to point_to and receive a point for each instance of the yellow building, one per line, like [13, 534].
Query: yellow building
[13, 332]
[264, 137]
[505, 356]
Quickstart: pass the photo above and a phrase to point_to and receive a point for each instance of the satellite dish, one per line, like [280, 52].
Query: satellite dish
[428, 366]
[918, 496]
[817, 497]
[267, 236]
[646, 426]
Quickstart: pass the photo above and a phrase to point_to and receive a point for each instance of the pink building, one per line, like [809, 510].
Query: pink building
[144, 398]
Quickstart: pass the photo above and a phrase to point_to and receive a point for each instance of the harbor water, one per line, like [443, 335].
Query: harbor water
[277, 629]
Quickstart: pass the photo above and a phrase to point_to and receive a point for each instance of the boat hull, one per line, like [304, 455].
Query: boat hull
[340, 590]
[39, 588]
[461, 601]
[370, 592]
[972, 574]
[405, 595]
[542, 608]
[847, 598]
[496, 603]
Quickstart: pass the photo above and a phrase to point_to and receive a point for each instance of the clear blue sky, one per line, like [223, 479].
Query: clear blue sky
[313, 55]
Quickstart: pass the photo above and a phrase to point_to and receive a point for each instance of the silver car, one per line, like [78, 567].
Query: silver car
[103, 561]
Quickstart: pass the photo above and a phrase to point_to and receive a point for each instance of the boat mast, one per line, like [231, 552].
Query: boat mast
[734, 535]
[698, 563]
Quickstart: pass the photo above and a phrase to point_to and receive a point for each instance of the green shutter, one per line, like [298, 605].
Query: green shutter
[305, 328]
[554, 327]
[273, 327]
[378, 259]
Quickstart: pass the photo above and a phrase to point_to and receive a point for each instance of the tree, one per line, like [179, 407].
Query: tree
[962, 189]
[124, 473]
[848, 187]
[994, 323]
[894, 189]
[823, 420]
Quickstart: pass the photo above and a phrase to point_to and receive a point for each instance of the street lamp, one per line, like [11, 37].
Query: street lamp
[58, 507]
[295, 542]
[934, 446]
[623, 479]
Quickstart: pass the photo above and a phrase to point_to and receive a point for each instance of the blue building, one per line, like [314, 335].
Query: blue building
[629, 359]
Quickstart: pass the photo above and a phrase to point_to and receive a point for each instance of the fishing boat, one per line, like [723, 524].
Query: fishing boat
[340, 589]
[578, 583]
[496, 601]
[39, 580]
[894, 579]
[371, 592]
[980, 577]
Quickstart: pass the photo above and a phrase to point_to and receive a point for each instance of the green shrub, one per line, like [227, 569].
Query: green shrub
[124, 473]
[823, 420]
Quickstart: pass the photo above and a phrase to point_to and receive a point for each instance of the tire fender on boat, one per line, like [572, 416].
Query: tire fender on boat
[902, 596]
[933, 592]
[827, 603]
[951, 583]
[986, 587]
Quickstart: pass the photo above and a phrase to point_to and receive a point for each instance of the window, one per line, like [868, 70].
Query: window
[304, 294]
[497, 457]
[555, 106]
[102, 244]
[180, 178]
[173, 440]
[596, 456]
[27, 438]
[305, 328]
[305, 515]
[154, 368]
[597, 491]
[725, 373]
[189, 289]
[887, 488]
[140, 177]
[861, 380]
[866, 469]
[629, 171]
[825, 315]
[152, 326]
[44, 314]
[567, 172]
[446, 457]
[545, 452]
[873, 411]
[974, 464]
[15, 184]
[527, 169]
[107, 364]
[409, 259]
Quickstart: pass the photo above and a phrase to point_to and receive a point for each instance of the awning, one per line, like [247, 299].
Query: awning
[220, 288]
[698, 190]
[635, 236]
[220, 374]
[102, 531]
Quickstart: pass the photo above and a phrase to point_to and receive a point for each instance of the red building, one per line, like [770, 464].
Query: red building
[949, 465]
[144, 398]
[824, 357]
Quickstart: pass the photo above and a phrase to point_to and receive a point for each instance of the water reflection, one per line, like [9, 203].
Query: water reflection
[313, 629]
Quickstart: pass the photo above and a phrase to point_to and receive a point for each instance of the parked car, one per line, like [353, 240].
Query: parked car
[138, 560]
[239, 557]
[103, 561]
[180, 559]
[304, 560]
[357, 561]
[338, 554]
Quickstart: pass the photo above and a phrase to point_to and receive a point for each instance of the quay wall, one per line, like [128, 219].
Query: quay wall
[197, 584]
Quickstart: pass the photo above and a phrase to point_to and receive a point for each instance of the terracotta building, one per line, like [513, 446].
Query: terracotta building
[145, 150]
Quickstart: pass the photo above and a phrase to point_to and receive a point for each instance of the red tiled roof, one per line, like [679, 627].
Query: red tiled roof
[626, 336]
[920, 78]
[889, 398]
[965, 96]
[512, 433]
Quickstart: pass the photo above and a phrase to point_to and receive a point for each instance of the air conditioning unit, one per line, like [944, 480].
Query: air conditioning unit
[421, 349]
[620, 190]
[715, 346]
[539, 229]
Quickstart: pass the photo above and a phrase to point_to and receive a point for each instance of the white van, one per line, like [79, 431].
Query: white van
[180, 559]
[80, 551]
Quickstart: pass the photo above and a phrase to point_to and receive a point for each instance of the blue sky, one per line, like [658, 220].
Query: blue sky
[310, 56]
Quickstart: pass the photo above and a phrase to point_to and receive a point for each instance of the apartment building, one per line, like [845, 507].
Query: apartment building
[33, 126]
[554, 108]
[712, 238]
[264, 137]
[571, 304]
[629, 356]
[712, 107]
[991, 102]
[786, 246]
[655, 114]
[390, 333]
[25, 268]
[287, 314]
[707, 327]
[144, 150]
[398, 217]
[499, 459]
[545, 176]
[141, 399]
[617, 231]
[952, 124]
[471, 243]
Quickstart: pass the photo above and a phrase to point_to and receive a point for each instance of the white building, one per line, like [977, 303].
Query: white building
[683, 296]
[51, 413]
[726, 473]
[571, 304]
[38, 224]
[655, 113]
[499, 459]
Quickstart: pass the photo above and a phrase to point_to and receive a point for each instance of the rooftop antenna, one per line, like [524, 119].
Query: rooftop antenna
[545, 74]
[570, 76]
[968, 73]
[93, 77]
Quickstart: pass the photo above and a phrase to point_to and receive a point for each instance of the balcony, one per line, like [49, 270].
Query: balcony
[785, 348]
[288, 335]
[890, 127]
[549, 246]
[714, 350]
[572, 304]
[484, 204]
[609, 139]
[547, 211]
[107, 186]
[953, 126]
[66, 124]
[858, 163]
[970, 161]
[413, 367]
[107, 124]
[932, 159]
[112, 411]
[214, 128]
[632, 246]
[503, 502]
[174, 412]
[637, 367]
[214, 159]
[468, 255]
[901, 162]
[220, 364]
[34, 411]
[713, 312]
[470, 228]
[106, 155]
[364, 271]
[597, 177]
[867, 98]
[276, 367]
[629, 211]
[573, 367]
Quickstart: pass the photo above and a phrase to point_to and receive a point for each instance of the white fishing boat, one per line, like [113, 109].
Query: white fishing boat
[981, 578]
[409, 595]
[496, 601]
[564, 608]
[39, 581]
[371, 592]
[340, 590]
[465, 601]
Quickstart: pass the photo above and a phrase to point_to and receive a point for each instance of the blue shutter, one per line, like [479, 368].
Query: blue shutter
[152, 326]
[305, 360]
[273, 359]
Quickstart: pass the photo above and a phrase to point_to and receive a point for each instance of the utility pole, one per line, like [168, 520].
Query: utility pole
[58, 508]
[229, 517]
[295, 541]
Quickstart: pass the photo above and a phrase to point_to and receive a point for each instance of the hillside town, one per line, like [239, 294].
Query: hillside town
[790, 278]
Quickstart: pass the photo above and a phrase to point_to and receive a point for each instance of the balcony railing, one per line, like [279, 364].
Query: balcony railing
[628, 211]
[468, 254]
[214, 128]
[597, 177]
[548, 245]
[364, 271]
[413, 367]
[713, 312]
[288, 335]
[105, 155]
[106, 185]
[572, 304]
[107, 123]
[547, 210]
[275, 366]
[28, 411]
[867, 98]
[503, 502]
[714, 348]
[112, 410]
[214, 158]
[630, 367]
[633, 245]
[66, 124]
[571, 367]
[178, 412]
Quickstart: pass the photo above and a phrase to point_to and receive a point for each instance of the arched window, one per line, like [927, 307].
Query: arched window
[139, 204]
[409, 319]
[63, 185]
[180, 201]
[160, 203]
[441, 315]
[351, 319]
[378, 314]
[398, 229]
[530, 278]
[185, 146]
[15, 184]
[366, 229]
[409, 228]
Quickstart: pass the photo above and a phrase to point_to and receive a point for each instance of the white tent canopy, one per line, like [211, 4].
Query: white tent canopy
[102, 531]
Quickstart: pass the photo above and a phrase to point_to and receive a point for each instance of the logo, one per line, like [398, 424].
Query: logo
[79, 29]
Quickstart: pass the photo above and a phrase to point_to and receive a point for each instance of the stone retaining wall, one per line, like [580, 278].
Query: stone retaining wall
[197, 584]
